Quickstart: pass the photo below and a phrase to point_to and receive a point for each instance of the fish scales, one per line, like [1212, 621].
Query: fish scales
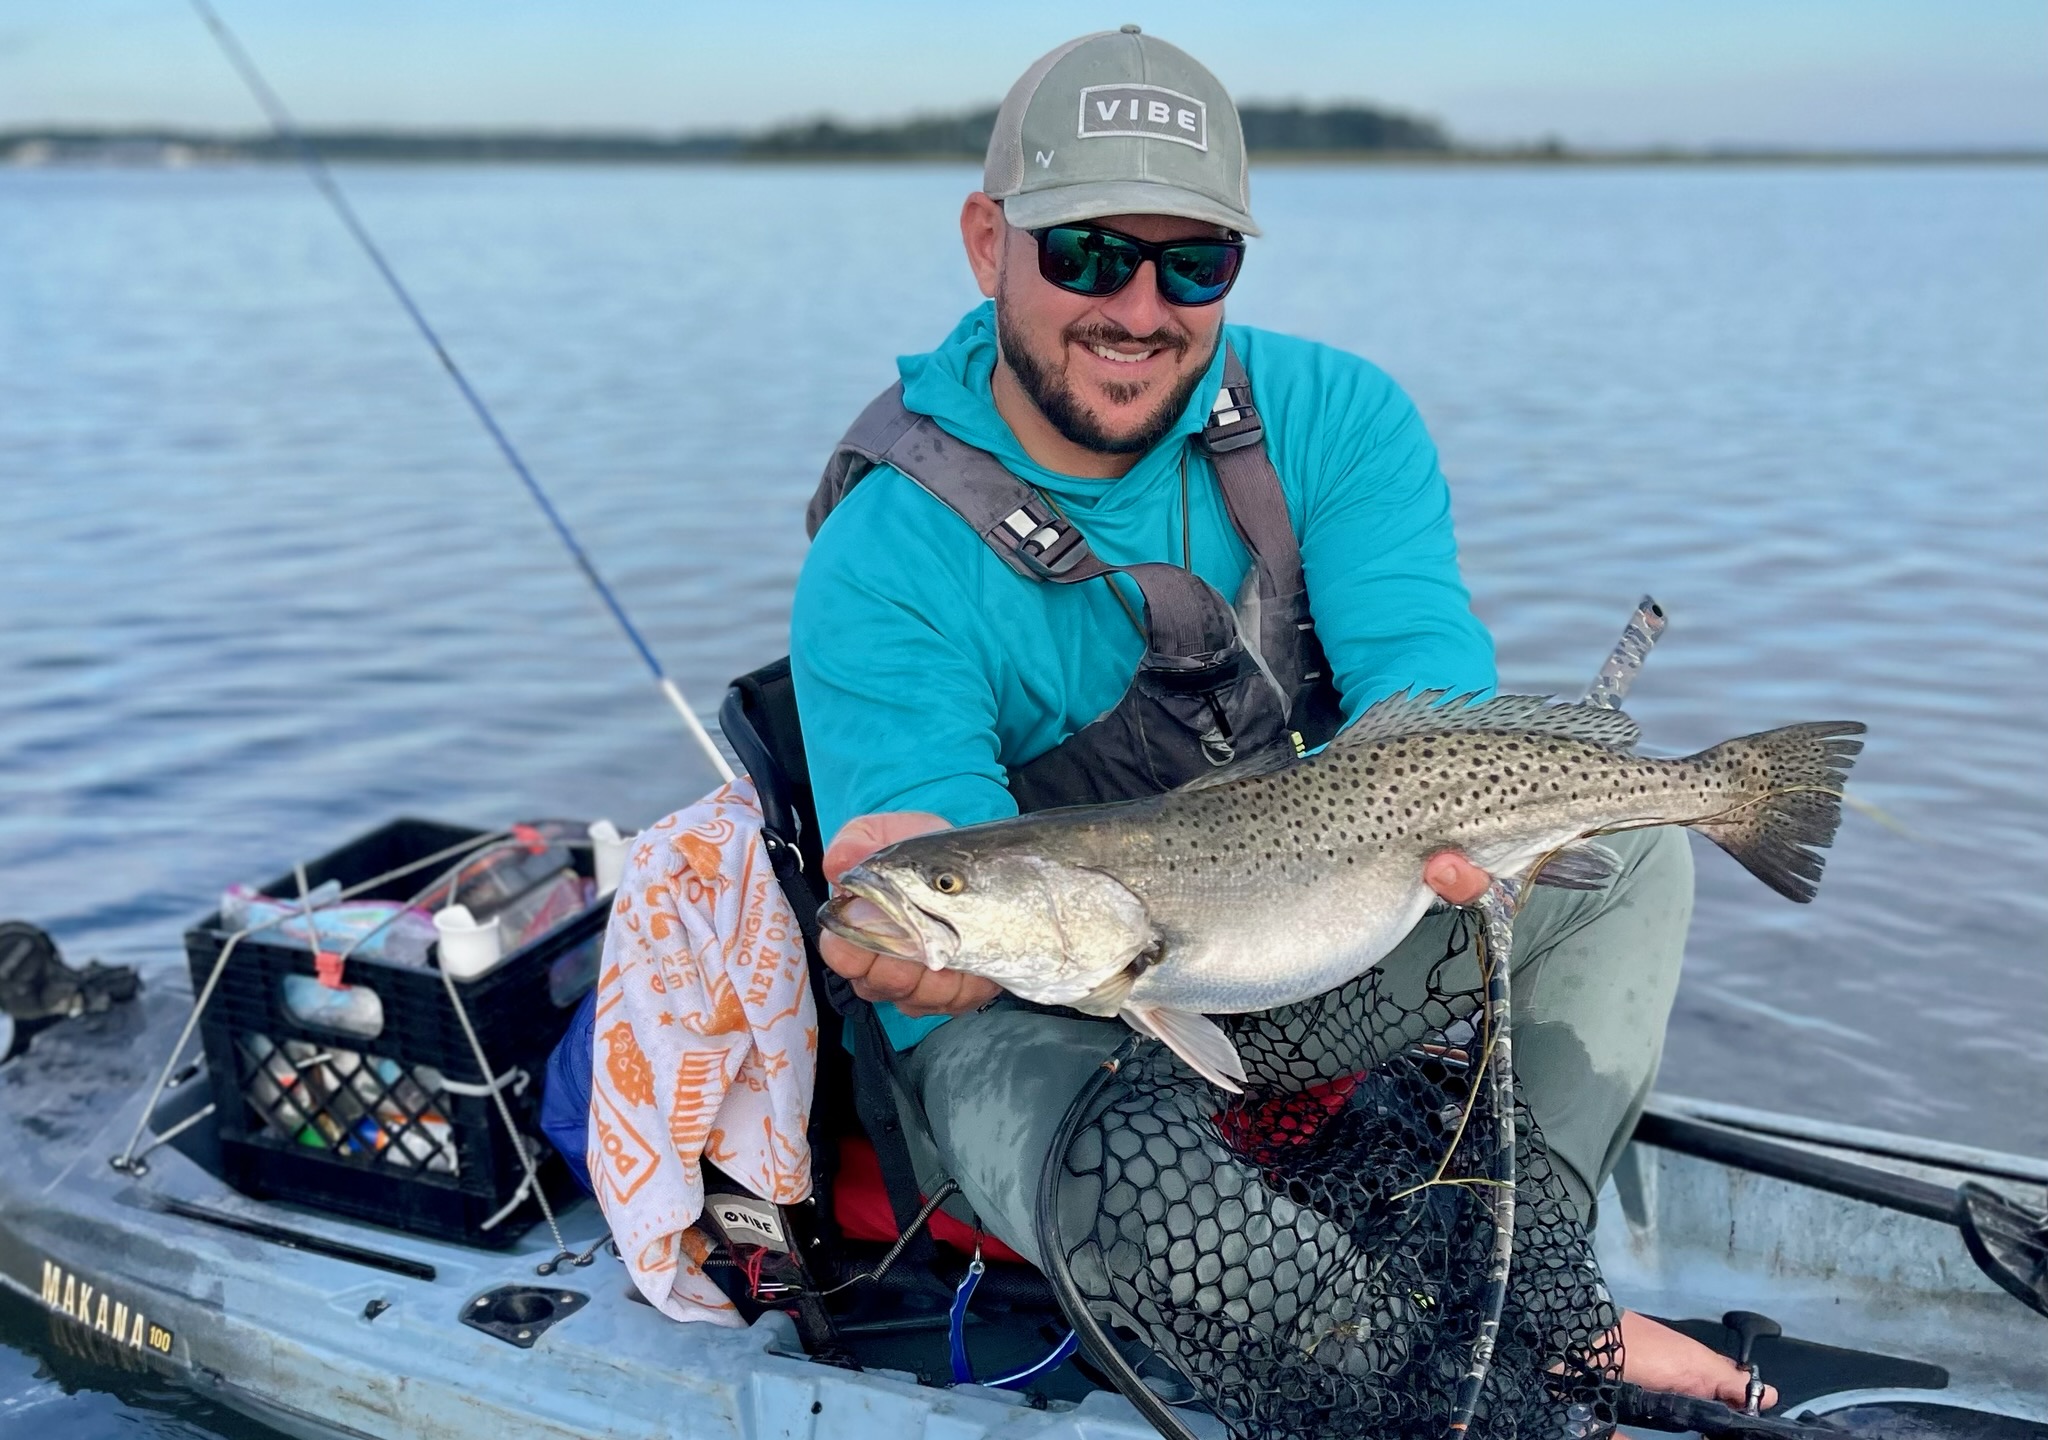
[1265, 885]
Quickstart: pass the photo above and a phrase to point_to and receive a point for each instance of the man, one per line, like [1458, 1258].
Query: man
[949, 670]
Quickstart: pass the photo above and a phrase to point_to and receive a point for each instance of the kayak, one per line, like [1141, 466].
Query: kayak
[326, 1327]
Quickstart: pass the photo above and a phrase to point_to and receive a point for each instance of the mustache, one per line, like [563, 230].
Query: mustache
[1101, 333]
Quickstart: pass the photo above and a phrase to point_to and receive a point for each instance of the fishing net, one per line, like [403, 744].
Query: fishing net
[1312, 1257]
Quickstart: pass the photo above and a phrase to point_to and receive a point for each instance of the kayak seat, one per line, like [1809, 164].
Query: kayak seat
[856, 1138]
[760, 722]
[860, 1208]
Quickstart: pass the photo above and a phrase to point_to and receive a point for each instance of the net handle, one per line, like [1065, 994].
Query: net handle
[1087, 1329]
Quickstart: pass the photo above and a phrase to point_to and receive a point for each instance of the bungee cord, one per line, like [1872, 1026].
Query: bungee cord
[130, 1158]
[287, 129]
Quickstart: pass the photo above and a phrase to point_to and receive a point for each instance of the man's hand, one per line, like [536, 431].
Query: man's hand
[1657, 1357]
[912, 988]
[1454, 877]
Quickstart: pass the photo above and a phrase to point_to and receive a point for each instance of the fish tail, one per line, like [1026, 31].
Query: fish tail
[1786, 802]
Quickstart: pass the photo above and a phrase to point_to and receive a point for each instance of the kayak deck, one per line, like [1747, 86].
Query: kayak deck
[322, 1327]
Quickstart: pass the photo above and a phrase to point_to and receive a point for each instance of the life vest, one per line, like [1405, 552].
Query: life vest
[1216, 683]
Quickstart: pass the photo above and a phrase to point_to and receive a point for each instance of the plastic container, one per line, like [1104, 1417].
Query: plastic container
[393, 1126]
[469, 946]
[374, 929]
[608, 854]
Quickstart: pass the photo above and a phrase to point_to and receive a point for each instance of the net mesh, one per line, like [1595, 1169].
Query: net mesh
[1312, 1256]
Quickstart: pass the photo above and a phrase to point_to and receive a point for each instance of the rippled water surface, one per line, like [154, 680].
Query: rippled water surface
[263, 584]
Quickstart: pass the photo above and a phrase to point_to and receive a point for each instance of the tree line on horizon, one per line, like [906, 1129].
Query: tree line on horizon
[1297, 127]
[1305, 129]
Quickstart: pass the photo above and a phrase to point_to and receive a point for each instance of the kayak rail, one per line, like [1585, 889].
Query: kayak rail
[1919, 1150]
[2007, 1237]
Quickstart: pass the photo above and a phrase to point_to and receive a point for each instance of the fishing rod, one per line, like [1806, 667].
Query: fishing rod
[287, 129]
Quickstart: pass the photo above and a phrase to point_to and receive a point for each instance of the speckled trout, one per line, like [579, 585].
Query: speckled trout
[1263, 885]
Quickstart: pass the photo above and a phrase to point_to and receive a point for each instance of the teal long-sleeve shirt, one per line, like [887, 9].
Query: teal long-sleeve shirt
[924, 665]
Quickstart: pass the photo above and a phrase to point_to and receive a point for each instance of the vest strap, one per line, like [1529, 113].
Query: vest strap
[1233, 422]
[1234, 439]
[1018, 525]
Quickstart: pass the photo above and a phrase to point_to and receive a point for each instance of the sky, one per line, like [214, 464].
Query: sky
[1830, 73]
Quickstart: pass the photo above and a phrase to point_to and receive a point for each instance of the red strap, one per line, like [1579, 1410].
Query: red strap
[531, 838]
[327, 965]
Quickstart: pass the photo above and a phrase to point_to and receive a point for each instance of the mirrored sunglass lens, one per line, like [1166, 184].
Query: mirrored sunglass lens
[1197, 274]
[1086, 261]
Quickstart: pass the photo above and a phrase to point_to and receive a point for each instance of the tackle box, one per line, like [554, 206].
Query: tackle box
[387, 1117]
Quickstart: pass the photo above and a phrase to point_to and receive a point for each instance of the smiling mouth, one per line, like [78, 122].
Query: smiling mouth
[1124, 357]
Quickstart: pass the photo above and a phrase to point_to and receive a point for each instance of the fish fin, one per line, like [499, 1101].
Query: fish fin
[1787, 803]
[1428, 712]
[1109, 997]
[1581, 865]
[1197, 1039]
[1263, 762]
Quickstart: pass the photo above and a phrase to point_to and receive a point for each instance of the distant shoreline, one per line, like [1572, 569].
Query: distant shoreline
[823, 143]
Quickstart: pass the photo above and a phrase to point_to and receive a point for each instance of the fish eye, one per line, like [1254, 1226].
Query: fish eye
[949, 882]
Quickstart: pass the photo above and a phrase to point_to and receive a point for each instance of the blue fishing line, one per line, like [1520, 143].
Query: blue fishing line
[316, 169]
[1017, 1379]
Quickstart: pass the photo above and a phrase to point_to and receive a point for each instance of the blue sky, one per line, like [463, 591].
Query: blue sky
[1912, 73]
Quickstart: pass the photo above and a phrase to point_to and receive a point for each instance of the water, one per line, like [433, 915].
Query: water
[264, 585]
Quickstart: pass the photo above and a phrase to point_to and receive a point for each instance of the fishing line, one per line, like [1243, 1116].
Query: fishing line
[287, 129]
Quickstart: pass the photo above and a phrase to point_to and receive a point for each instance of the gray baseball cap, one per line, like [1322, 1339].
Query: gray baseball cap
[1118, 123]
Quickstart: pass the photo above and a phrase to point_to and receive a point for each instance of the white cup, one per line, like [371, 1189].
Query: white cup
[608, 854]
[468, 948]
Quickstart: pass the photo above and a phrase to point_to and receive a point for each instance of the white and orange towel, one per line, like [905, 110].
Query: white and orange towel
[707, 1042]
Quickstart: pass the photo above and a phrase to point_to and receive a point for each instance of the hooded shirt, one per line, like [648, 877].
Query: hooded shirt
[924, 665]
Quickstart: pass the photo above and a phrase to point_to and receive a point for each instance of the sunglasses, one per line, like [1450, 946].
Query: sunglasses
[1089, 260]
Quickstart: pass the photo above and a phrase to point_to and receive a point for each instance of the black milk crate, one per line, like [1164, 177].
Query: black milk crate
[396, 1128]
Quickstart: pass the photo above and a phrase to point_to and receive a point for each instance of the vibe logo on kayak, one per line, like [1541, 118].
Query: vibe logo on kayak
[747, 1221]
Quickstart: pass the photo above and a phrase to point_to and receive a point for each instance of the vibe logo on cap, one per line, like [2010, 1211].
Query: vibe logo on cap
[1118, 123]
[1152, 111]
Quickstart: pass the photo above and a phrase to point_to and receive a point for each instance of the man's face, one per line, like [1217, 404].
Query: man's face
[1112, 373]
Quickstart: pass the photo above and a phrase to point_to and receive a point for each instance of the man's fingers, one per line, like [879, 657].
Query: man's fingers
[863, 835]
[845, 957]
[975, 992]
[949, 992]
[890, 979]
[1660, 1358]
[1735, 1392]
[938, 992]
[874, 977]
[911, 987]
[1454, 877]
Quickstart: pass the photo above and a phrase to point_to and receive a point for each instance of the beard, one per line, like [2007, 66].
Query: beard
[1053, 393]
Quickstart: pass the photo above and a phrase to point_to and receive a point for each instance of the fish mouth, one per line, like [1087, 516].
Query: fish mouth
[873, 917]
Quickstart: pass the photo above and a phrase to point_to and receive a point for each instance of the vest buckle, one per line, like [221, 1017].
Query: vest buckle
[1043, 543]
[1233, 421]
